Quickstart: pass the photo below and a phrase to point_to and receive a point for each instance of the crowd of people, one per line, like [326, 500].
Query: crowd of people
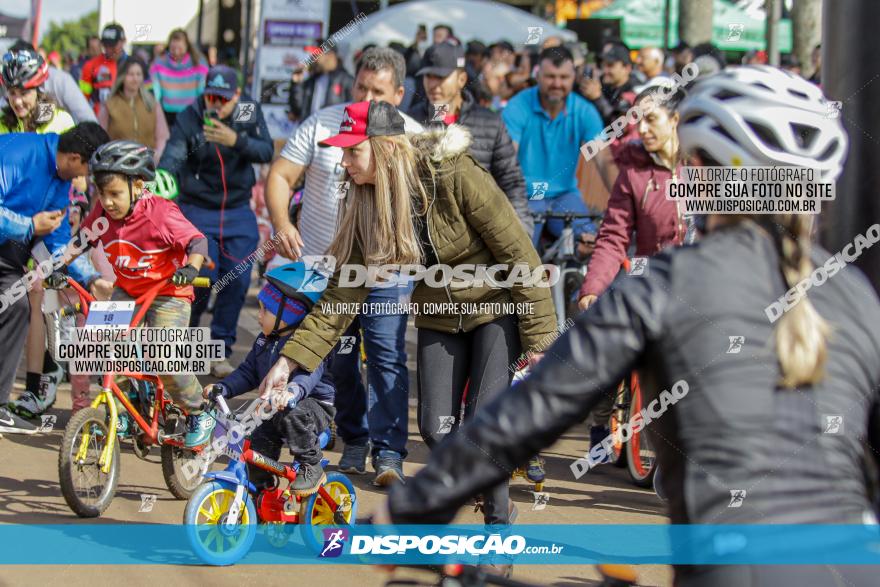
[448, 154]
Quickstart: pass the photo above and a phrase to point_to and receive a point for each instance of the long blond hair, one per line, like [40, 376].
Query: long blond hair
[801, 337]
[380, 218]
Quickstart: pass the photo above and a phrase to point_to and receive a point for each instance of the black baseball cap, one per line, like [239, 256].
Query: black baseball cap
[616, 53]
[363, 120]
[442, 59]
[221, 81]
[112, 34]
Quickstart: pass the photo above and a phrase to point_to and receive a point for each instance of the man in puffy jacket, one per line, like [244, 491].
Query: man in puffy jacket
[212, 149]
[444, 78]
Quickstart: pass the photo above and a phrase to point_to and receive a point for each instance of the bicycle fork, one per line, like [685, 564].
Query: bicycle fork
[106, 458]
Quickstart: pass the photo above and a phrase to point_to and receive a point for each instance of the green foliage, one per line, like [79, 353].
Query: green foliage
[70, 36]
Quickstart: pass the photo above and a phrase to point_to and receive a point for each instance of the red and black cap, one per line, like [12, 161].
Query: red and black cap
[363, 120]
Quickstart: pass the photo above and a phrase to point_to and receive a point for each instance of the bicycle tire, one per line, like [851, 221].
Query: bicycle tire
[619, 415]
[641, 467]
[203, 524]
[173, 459]
[66, 466]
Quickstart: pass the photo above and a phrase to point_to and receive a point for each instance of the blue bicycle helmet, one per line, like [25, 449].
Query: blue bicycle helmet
[295, 283]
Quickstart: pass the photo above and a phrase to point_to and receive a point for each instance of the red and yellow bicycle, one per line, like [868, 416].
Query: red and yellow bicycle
[88, 460]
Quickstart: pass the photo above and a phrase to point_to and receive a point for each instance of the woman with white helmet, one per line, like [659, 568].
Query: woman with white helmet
[752, 424]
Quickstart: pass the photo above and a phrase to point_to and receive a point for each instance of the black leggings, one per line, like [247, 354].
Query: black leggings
[445, 362]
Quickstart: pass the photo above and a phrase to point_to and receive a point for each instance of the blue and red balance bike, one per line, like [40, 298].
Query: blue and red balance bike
[222, 515]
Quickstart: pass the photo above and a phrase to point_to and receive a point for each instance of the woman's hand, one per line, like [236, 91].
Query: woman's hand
[586, 301]
[277, 377]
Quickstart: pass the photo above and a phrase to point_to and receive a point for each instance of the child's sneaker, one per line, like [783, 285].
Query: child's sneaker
[199, 429]
[30, 404]
[535, 472]
[308, 479]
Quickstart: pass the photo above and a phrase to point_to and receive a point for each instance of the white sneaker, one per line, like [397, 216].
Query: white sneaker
[222, 369]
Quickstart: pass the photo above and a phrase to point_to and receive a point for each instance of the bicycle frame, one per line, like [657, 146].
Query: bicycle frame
[109, 389]
[236, 473]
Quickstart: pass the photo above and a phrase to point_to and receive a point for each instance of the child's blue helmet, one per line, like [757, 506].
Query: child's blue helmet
[291, 291]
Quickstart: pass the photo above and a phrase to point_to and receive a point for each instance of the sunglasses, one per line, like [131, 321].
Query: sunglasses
[212, 99]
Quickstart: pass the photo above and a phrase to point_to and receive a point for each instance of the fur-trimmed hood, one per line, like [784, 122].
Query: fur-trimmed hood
[441, 144]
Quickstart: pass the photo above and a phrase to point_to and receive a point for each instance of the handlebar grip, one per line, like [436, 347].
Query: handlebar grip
[202, 282]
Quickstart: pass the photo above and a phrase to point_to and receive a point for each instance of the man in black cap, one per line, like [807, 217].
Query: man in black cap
[444, 79]
[99, 73]
[213, 147]
[616, 93]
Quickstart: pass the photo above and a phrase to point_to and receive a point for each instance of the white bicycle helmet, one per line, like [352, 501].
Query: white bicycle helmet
[762, 116]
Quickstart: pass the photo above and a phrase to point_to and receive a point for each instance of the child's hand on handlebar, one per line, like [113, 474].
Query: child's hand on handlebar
[184, 275]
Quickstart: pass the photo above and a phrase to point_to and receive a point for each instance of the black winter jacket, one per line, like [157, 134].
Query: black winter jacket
[338, 92]
[492, 148]
[733, 429]
[195, 162]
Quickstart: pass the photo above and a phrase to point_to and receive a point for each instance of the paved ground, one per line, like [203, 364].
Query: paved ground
[29, 494]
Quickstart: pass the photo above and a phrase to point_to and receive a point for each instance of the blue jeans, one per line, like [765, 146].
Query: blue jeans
[240, 239]
[379, 414]
[567, 202]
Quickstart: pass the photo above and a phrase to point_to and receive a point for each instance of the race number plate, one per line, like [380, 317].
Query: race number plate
[110, 314]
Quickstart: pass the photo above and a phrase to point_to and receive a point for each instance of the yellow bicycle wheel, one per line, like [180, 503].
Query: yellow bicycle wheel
[206, 516]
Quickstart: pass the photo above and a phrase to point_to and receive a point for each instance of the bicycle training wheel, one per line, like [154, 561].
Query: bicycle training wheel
[86, 488]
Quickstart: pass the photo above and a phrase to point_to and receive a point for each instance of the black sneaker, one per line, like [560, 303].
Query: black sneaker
[308, 479]
[12, 424]
[389, 469]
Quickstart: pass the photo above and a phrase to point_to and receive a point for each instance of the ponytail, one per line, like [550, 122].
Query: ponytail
[801, 335]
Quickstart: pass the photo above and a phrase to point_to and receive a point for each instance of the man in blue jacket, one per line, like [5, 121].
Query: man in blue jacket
[212, 149]
[35, 174]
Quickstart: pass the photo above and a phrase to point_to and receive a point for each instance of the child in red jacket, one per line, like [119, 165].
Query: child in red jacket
[149, 240]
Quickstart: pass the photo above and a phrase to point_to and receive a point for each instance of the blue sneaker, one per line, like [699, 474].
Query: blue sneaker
[535, 472]
[199, 428]
[123, 425]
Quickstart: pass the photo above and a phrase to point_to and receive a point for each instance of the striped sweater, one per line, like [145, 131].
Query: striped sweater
[177, 84]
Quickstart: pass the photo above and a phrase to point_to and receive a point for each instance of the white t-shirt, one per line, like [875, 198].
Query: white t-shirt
[317, 220]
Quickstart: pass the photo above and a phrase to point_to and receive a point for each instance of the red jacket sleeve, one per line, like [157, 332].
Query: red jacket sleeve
[176, 229]
[613, 239]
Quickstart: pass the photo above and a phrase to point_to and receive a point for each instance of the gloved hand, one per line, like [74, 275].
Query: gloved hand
[57, 279]
[185, 275]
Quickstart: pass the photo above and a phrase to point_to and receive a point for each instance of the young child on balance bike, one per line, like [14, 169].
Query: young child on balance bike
[305, 409]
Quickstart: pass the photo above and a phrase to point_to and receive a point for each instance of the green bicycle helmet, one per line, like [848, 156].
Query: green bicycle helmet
[164, 185]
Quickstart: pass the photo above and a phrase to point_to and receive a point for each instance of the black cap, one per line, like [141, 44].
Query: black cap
[506, 45]
[616, 53]
[442, 59]
[112, 34]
